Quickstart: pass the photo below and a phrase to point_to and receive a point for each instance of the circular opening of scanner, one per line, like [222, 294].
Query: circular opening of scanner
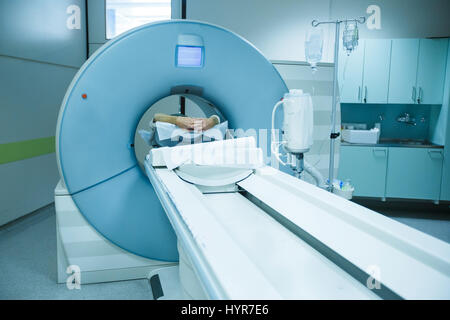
[188, 105]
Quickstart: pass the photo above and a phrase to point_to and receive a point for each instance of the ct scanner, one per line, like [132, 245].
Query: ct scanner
[265, 234]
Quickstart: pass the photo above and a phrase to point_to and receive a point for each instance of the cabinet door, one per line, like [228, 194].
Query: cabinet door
[414, 173]
[350, 72]
[431, 70]
[377, 57]
[366, 167]
[403, 71]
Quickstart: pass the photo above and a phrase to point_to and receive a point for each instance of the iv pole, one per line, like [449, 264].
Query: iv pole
[335, 134]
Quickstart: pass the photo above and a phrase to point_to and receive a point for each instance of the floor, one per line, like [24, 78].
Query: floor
[426, 217]
[438, 225]
[28, 265]
[28, 255]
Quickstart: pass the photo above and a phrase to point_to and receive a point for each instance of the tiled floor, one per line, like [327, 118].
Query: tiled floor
[28, 257]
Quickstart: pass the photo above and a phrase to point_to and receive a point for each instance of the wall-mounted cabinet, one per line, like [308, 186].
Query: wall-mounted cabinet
[377, 56]
[364, 74]
[403, 71]
[431, 70]
[393, 172]
[417, 71]
[350, 72]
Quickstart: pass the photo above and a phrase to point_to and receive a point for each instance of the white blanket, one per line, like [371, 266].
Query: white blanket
[236, 153]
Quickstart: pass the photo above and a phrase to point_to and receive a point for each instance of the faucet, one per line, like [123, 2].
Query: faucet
[406, 119]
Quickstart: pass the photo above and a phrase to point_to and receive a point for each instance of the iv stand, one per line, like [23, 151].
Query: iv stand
[334, 134]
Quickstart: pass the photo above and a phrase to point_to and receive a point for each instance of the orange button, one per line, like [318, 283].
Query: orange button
[84, 95]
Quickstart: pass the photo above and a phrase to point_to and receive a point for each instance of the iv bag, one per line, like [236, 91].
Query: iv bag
[313, 47]
[350, 36]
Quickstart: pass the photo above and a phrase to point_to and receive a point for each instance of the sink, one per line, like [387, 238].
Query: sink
[360, 136]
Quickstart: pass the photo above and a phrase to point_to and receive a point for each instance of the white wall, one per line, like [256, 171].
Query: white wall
[97, 22]
[278, 28]
[399, 18]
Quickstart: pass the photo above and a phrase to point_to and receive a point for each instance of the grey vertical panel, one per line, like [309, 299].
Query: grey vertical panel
[96, 21]
[26, 185]
[176, 9]
[94, 47]
[38, 30]
[30, 96]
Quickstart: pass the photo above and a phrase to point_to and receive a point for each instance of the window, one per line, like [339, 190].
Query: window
[123, 15]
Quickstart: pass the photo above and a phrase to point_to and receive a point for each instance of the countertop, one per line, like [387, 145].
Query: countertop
[404, 143]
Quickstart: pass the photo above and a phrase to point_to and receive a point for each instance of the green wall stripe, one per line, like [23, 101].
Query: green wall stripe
[15, 151]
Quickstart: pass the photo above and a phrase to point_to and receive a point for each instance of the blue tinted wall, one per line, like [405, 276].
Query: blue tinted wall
[387, 114]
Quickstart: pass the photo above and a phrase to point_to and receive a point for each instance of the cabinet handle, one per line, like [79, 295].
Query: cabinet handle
[435, 154]
[359, 93]
[419, 99]
[379, 152]
[365, 94]
[413, 96]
